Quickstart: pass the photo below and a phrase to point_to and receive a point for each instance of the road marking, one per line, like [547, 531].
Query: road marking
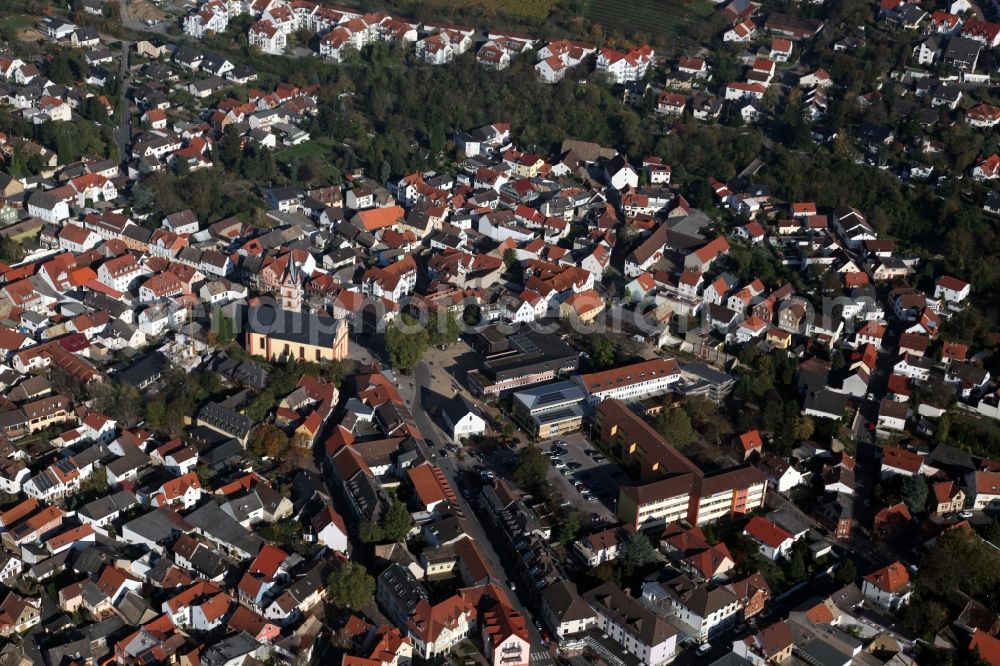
[541, 656]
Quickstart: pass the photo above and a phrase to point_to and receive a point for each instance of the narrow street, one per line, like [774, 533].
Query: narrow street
[123, 135]
[453, 469]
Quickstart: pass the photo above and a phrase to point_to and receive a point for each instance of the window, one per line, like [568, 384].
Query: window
[302, 352]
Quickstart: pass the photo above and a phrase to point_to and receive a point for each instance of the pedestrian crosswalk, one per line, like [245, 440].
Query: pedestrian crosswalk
[541, 657]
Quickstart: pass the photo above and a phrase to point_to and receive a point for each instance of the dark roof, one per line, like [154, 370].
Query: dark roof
[105, 506]
[629, 614]
[143, 371]
[286, 325]
[565, 603]
[186, 54]
[216, 524]
[962, 48]
[826, 401]
[458, 407]
[946, 455]
[226, 420]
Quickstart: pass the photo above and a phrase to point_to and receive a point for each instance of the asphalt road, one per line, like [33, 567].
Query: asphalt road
[454, 470]
[123, 135]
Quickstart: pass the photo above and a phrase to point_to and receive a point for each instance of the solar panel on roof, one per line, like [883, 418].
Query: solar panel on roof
[44, 482]
[557, 415]
[550, 398]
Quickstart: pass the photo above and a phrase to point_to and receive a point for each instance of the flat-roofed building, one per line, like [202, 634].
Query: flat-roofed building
[514, 360]
[551, 409]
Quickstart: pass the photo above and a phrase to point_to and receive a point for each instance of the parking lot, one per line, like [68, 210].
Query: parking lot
[598, 477]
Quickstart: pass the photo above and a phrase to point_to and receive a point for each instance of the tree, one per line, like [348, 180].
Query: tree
[925, 616]
[305, 173]
[17, 165]
[532, 468]
[774, 413]
[120, 401]
[472, 314]
[59, 69]
[675, 425]
[10, 250]
[393, 528]
[350, 586]
[261, 406]
[569, 528]
[156, 413]
[94, 110]
[443, 329]
[796, 567]
[209, 382]
[231, 150]
[960, 561]
[913, 492]
[67, 383]
[512, 266]
[602, 350]
[992, 532]
[437, 138]
[396, 523]
[638, 553]
[270, 441]
[406, 346]
[847, 573]
[225, 329]
[370, 532]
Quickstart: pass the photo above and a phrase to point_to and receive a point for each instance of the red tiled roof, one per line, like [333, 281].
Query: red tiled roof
[751, 440]
[767, 532]
[891, 579]
[987, 647]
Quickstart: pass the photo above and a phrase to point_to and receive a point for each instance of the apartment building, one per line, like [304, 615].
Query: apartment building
[674, 477]
[654, 505]
[633, 626]
[732, 491]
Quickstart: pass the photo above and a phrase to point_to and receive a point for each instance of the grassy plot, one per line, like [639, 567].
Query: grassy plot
[19, 22]
[316, 148]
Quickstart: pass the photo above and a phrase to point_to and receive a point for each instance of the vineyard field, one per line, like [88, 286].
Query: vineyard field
[528, 9]
[668, 18]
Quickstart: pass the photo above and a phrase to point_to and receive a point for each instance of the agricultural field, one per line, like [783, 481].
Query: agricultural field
[670, 19]
[526, 9]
